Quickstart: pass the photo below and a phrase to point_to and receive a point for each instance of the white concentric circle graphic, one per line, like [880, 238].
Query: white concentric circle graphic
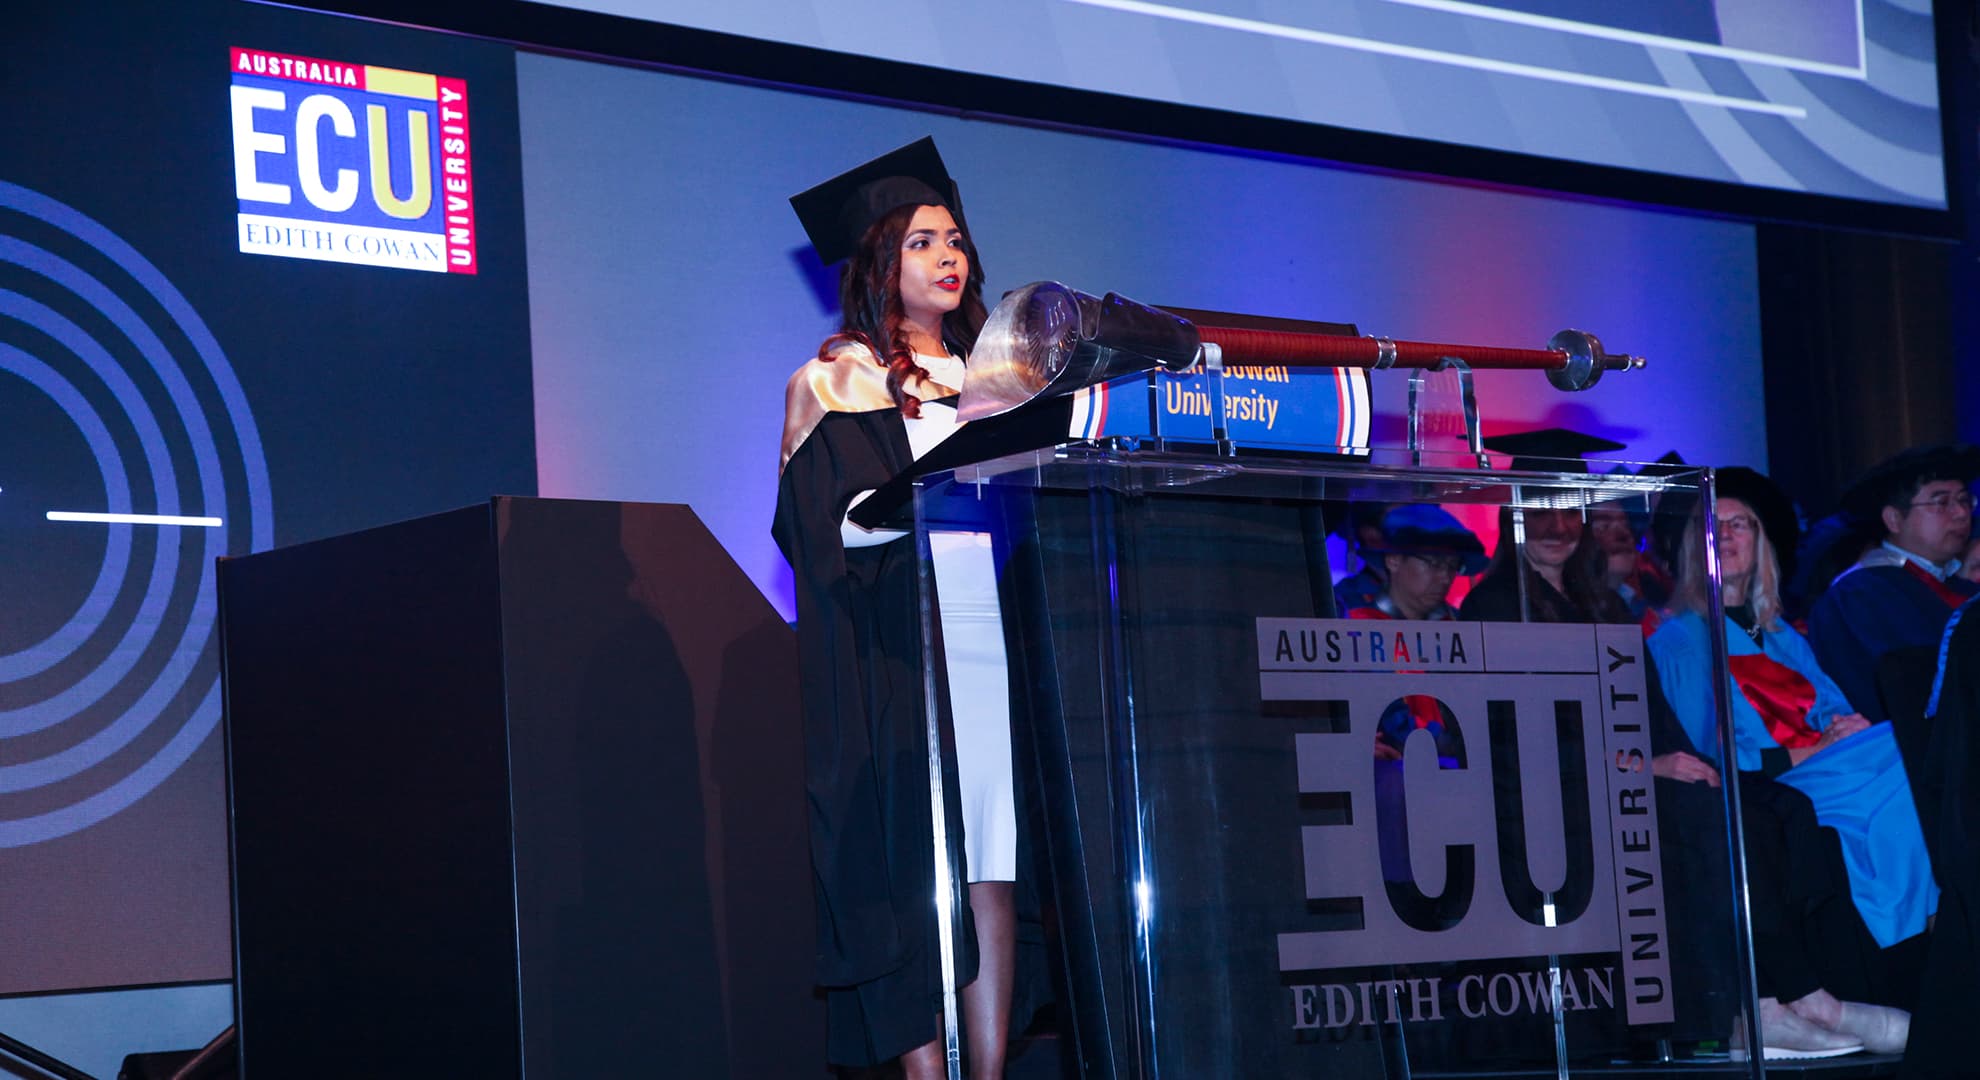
[94, 327]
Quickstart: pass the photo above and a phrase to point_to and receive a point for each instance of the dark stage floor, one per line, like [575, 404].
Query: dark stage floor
[1039, 1059]
[1851, 1067]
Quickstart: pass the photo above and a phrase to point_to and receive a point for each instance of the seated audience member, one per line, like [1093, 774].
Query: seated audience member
[1422, 550]
[1779, 517]
[1359, 589]
[1558, 568]
[1555, 568]
[1797, 888]
[1789, 876]
[1627, 569]
[1780, 520]
[1791, 722]
[1901, 591]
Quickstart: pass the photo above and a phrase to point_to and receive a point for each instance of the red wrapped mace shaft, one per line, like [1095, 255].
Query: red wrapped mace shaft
[1573, 359]
[1333, 350]
[1046, 339]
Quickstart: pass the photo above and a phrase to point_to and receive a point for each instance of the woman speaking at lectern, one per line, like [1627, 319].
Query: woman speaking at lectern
[878, 395]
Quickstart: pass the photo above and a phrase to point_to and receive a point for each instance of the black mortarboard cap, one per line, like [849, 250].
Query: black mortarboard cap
[1867, 498]
[1670, 513]
[1550, 449]
[836, 213]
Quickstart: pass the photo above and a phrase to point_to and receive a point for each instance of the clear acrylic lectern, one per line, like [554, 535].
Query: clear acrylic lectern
[1284, 843]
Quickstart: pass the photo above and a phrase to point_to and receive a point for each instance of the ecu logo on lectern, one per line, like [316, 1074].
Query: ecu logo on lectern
[351, 163]
[1499, 797]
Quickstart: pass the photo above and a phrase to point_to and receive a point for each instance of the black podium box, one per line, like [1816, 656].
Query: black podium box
[516, 790]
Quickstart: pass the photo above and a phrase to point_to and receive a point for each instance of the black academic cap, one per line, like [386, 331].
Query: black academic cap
[1773, 506]
[1890, 477]
[1550, 449]
[1365, 513]
[836, 213]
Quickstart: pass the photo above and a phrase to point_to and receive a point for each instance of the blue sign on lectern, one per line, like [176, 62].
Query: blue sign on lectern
[1263, 406]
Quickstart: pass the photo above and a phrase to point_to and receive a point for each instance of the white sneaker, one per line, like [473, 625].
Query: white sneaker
[1785, 1036]
[1883, 1029]
[1819, 1008]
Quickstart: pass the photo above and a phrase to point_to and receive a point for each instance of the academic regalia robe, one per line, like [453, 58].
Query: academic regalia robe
[1796, 883]
[865, 728]
[1869, 611]
[1359, 589]
[1495, 598]
[1806, 932]
[1942, 1022]
[1858, 785]
[1384, 608]
[1646, 589]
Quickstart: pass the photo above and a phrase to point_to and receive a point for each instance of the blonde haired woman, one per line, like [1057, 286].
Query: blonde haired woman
[1791, 723]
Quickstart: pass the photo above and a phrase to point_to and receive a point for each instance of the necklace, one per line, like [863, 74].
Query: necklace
[1743, 617]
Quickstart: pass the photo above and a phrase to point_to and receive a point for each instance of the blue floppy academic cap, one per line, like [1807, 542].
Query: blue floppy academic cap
[1424, 529]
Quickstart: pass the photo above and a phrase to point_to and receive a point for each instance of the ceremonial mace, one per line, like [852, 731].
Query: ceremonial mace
[1045, 340]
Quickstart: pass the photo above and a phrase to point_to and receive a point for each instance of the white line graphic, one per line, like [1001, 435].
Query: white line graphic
[134, 519]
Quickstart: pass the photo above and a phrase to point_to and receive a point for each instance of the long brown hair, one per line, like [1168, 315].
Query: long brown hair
[1589, 599]
[870, 304]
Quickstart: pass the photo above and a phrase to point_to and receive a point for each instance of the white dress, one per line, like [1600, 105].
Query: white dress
[973, 641]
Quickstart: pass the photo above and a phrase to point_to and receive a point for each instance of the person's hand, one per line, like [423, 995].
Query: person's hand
[1842, 727]
[1687, 768]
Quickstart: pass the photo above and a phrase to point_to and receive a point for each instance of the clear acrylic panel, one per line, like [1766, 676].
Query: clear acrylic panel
[1282, 842]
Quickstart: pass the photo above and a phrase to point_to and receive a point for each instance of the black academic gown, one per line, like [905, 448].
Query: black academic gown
[866, 752]
[1495, 598]
[1871, 611]
[1942, 1024]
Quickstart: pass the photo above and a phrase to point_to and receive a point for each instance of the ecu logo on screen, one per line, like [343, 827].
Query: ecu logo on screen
[352, 163]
